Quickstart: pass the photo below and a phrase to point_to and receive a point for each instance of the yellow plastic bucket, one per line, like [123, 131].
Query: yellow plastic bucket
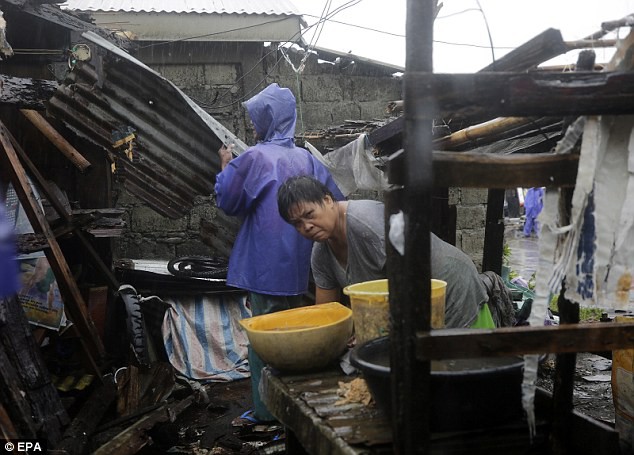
[371, 312]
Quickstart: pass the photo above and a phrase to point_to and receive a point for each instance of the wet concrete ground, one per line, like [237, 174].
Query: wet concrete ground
[524, 250]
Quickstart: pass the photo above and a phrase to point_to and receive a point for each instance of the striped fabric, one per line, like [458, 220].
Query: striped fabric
[203, 339]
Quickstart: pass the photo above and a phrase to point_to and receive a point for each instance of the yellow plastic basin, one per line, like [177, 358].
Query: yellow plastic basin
[371, 311]
[301, 339]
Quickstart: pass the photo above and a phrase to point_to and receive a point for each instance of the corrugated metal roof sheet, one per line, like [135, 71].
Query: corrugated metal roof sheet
[174, 153]
[275, 7]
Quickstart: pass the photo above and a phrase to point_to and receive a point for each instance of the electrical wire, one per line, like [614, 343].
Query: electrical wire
[318, 25]
[486, 23]
[370, 29]
[290, 40]
[481, 46]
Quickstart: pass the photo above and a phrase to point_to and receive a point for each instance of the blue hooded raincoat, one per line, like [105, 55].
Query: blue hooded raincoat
[9, 282]
[269, 256]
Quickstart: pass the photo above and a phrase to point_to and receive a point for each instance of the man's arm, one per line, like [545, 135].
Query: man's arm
[326, 295]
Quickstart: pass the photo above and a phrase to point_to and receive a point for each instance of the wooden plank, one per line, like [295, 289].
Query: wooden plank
[504, 171]
[128, 389]
[525, 94]
[471, 170]
[388, 131]
[542, 47]
[503, 342]
[57, 139]
[73, 301]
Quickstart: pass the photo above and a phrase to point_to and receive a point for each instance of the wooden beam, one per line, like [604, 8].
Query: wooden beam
[471, 170]
[511, 341]
[526, 94]
[73, 300]
[541, 48]
[26, 93]
[57, 139]
[388, 131]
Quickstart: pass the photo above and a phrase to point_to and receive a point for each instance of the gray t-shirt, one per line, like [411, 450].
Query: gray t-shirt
[366, 261]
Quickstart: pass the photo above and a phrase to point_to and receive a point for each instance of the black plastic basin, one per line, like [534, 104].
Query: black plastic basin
[465, 393]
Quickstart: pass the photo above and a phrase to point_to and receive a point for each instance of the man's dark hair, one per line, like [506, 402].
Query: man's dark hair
[300, 190]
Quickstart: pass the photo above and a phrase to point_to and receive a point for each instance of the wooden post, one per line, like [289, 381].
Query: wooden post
[565, 367]
[57, 139]
[409, 273]
[494, 232]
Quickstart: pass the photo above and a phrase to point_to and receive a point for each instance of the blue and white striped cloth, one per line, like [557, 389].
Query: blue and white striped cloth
[203, 338]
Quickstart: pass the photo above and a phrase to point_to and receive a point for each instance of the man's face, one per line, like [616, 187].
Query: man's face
[313, 220]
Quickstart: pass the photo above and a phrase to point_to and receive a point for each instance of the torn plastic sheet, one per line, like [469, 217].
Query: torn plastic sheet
[353, 166]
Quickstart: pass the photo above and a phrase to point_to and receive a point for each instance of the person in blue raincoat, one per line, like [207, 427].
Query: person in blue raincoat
[269, 259]
[533, 204]
[9, 278]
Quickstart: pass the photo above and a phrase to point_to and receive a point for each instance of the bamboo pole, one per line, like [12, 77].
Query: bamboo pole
[482, 130]
[57, 139]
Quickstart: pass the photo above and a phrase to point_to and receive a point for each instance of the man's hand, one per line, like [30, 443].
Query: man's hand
[226, 154]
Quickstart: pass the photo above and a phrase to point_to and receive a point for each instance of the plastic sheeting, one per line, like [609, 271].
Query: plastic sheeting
[203, 339]
[353, 166]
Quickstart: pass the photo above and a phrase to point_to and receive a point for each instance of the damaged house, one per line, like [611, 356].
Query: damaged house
[109, 124]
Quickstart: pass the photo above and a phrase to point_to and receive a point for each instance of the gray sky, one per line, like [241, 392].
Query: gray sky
[511, 23]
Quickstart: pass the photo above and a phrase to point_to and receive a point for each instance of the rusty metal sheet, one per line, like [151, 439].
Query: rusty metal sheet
[173, 154]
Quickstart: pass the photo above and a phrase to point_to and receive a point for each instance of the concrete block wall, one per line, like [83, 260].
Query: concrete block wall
[153, 236]
[327, 96]
[471, 206]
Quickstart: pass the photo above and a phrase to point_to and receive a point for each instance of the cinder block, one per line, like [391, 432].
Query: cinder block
[144, 219]
[470, 217]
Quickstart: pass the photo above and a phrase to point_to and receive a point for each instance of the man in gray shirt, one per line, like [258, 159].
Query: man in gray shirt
[350, 248]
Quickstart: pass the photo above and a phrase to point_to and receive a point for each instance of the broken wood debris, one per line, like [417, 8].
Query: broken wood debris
[135, 437]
